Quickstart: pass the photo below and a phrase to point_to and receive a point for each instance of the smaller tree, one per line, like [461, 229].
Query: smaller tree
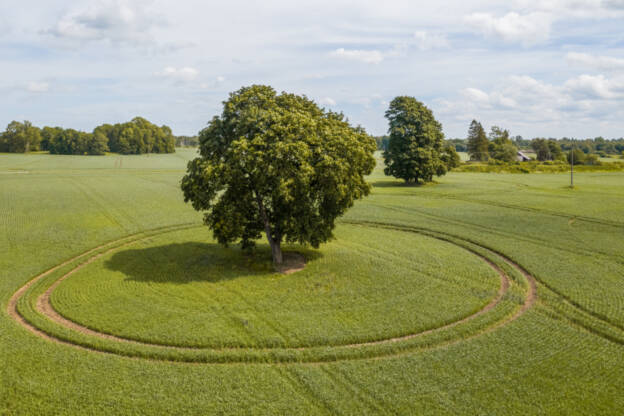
[451, 157]
[555, 150]
[477, 142]
[541, 149]
[577, 156]
[97, 144]
[416, 142]
[501, 147]
[47, 136]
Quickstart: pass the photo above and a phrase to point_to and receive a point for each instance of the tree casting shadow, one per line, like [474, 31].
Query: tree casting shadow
[195, 262]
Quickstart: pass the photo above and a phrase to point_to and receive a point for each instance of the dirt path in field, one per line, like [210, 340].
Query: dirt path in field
[12, 305]
[44, 307]
[293, 263]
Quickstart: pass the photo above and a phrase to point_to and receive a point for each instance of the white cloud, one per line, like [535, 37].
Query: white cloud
[587, 9]
[366, 56]
[482, 98]
[107, 20]
[527, 29]
[37, 87]
[605, 63]
[425, 41]
[328, 101]
[525, 101]
[181, 74]
[475, 95]
[212, 84]
[595, 87]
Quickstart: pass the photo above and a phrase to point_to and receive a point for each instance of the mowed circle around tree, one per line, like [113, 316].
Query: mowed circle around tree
[181, 289]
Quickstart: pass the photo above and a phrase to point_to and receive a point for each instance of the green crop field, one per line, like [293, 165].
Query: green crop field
[484, 293]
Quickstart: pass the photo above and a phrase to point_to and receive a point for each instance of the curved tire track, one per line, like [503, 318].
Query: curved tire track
[44, 307]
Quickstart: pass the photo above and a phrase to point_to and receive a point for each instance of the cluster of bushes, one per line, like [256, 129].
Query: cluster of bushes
[535, 166]
[134, 137]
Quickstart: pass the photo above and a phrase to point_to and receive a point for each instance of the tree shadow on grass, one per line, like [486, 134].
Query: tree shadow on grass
[195, 262]
[400, 184]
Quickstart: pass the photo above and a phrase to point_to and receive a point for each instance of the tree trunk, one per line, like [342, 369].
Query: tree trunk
[275, 243]
[276, 251]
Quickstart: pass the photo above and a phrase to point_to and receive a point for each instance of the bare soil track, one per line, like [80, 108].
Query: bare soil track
[45, 308]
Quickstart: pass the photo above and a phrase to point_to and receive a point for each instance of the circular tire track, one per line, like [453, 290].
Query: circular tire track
[44, 307]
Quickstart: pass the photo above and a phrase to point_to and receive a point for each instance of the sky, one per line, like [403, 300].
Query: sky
[549, 68]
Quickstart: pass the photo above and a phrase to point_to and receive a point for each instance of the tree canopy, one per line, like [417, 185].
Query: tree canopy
[416, 150]
[477, 143]
[20, 138]
[134, 137]
[278, 164]
[546, 149]
[501, 147]
[137, 136]
[73, 142]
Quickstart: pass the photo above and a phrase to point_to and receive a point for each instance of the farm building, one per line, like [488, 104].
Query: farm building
[521, 157]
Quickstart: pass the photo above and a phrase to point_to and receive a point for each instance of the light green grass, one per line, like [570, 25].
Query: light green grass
[182, 289]
[564, 356]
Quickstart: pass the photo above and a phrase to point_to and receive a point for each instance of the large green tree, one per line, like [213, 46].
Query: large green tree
[416, 150]
[477, 142]
[277, 164]
[20, 138]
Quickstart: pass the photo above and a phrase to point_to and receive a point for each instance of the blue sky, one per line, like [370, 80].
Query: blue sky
[539, 68]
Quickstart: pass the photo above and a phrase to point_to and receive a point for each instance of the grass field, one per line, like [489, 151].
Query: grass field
[404, 313]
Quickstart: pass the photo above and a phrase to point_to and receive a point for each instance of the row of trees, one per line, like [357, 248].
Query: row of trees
[138, 136]
[134, 137]
[497, 145]
[476, 144]
[61, 141]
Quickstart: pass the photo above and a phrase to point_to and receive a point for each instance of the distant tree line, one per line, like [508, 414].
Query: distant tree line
[382, 142]
[187, 141]
[499, 146]
[134, 137]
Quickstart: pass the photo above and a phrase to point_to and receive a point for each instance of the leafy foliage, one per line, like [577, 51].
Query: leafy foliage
[576, 157]
[20, 138]
[501, 147]
[187, 141]
[477, 145]
[546, 149]
[416, 149]
[278, 164]
[134, 137]
[73, 142]
[137, 136]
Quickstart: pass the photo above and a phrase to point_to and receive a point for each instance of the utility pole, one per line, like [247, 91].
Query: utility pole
[572, 168]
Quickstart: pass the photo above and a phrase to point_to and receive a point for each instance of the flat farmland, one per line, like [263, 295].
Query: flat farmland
[480, 294]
